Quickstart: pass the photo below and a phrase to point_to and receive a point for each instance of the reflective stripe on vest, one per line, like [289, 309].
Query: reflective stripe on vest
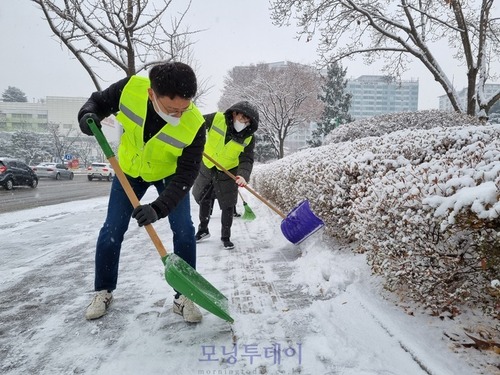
[226, 154]
[131, 115]
[157, 158]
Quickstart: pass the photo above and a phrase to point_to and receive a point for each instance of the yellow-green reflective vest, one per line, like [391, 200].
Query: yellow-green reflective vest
[157, 158]
[227, 154]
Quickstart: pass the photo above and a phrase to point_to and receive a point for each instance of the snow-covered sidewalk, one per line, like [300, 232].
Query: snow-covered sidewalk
[311, 309]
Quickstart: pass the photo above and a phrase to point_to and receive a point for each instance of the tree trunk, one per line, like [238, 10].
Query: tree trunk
[471, 92]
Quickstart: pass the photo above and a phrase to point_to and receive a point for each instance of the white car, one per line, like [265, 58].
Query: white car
[53, 170]
[100, 171]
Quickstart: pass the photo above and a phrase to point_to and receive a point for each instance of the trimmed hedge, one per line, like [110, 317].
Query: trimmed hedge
[423, 203]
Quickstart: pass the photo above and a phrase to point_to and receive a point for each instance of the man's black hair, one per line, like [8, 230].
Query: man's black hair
[173, 79]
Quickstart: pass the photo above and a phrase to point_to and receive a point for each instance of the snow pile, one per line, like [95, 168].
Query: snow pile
[423, 203]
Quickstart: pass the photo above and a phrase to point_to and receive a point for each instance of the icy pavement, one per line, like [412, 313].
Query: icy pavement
[308, 309]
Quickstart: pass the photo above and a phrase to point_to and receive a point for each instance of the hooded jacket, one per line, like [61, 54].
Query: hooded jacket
[225, 188]
[246, 157]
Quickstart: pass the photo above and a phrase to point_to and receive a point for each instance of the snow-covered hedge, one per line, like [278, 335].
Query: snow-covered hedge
[423, 203]
[380, 125]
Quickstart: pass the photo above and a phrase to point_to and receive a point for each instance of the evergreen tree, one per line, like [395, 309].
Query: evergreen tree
[13, 94]
[264, 150]
[30, 147]
[337, 103]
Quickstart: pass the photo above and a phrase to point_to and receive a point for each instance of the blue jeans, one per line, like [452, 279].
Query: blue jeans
[120, 209]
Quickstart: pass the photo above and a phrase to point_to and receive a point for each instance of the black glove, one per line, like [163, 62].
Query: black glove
[144, 214]
[84, 127]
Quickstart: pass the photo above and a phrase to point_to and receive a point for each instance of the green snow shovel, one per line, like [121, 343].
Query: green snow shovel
[248, 215]
[179, 274]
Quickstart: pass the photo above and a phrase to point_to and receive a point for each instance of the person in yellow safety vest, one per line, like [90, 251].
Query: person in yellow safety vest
[231, 142]
[161, 146]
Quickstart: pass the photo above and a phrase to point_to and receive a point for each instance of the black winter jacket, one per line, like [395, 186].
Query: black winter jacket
[106, 102]
[213, 180]
[247, 156]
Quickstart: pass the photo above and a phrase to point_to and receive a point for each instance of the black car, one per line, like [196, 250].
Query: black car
[16, 173]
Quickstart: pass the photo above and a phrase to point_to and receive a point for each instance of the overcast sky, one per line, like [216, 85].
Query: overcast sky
[239, 32]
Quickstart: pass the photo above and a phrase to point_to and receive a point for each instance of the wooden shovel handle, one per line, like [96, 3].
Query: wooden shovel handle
[257, 195]
[135, 202]
[101, 139]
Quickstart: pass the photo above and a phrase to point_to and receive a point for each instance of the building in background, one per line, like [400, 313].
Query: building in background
[42, 117]
[374, 95]
[298, 139]
[57, 110]
[16, 116]
[64, 111]
[445, 104]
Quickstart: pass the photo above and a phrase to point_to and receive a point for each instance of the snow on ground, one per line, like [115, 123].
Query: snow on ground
[308, 309]
[423, 204]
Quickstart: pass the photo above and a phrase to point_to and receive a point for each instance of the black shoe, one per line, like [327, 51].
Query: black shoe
[202, 234]
[228, 245]
[236, 214]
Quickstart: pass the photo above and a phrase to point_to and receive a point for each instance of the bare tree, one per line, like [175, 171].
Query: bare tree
[286, 96]
[85, 149]
[130, 35]
[61, 144]
[399, 31]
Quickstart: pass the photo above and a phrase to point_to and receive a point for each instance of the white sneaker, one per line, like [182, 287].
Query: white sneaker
[189, 311]
[99, 305]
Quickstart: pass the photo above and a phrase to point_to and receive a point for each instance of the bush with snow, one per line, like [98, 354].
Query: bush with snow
[380, 125]
[422, 202]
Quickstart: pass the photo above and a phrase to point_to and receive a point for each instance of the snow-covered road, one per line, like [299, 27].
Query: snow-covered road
[312, 309]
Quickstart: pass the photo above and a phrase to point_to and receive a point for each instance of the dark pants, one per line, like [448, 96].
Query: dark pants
[206, 203]
[213, 184]
[120, 209]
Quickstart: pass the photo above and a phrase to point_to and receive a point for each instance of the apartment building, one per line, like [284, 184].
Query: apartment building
[374, 95]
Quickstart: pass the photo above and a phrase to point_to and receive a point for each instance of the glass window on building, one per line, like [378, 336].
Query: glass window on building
[22, 116]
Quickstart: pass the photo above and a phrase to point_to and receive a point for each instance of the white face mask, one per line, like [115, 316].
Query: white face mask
[239, 126]
[174, 121]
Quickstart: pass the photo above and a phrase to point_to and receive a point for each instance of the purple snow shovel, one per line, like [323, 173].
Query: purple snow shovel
[298, 225]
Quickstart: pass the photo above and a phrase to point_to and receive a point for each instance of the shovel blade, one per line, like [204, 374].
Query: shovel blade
[300, 223]
[187, 281]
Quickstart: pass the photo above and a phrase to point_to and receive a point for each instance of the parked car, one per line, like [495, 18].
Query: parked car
[53, 170]
[14, 172]
[101, 171]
